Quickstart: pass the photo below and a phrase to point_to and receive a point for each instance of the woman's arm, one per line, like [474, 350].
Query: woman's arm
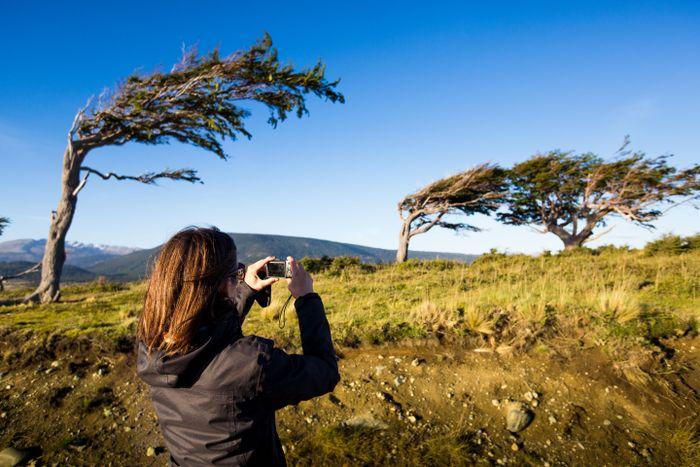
[290, 378]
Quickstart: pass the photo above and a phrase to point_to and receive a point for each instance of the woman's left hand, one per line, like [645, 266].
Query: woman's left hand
[251, 275]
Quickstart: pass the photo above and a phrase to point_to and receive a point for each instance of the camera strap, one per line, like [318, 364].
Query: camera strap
[282, 319]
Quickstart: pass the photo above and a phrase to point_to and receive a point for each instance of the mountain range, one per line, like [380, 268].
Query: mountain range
[85, 262]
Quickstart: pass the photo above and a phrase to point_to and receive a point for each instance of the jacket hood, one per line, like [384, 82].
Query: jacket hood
[158, 369]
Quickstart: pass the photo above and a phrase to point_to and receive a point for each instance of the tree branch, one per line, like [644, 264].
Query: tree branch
[148, 178]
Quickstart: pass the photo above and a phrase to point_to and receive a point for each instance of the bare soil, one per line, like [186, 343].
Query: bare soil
[410, 404]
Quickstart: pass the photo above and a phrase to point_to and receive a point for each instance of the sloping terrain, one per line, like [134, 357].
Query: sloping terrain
[252, 247]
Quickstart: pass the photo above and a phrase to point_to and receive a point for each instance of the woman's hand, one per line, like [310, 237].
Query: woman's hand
[252, 278]
[301, 282]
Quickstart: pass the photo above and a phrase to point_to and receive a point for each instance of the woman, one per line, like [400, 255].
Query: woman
[216, 391]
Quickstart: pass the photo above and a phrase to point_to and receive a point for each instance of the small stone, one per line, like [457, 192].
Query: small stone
[12, 456]
[151, 451]
[518, 417]
[107, 412]
[411, 418]
[529, 397]
[552, 420]
[55, 364]
[646, 452]
[365, 421]
[416, 362]
[631, 444]
[534, 403]
[606, 422]
[495, 402]
[3, 414]
[399, 380]
[515, 447]
[127, 429]
[8, 387]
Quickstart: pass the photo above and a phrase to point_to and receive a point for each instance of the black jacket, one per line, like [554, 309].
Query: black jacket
[216, 405]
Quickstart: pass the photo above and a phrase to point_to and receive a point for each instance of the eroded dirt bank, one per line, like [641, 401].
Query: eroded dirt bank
[402, 405]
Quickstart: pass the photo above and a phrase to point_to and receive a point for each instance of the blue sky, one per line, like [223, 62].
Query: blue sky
[432, 88]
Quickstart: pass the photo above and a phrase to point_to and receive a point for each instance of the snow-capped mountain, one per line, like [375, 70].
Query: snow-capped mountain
[77, 253]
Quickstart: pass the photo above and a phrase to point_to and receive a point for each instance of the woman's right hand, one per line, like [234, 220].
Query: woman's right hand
[301, 282]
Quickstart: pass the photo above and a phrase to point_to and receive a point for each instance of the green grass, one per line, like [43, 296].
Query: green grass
[601, 297]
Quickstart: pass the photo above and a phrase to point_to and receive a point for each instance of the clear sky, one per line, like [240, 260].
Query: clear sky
[432, 88]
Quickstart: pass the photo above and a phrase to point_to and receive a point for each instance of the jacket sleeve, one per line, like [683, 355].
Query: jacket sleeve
[245, 297]
[290, 378]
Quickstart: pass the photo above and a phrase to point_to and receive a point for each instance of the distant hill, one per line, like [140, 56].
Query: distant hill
[77, 254]
[252, 247]
[86, 262]
[70, 273]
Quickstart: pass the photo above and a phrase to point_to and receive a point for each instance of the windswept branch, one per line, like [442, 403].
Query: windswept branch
[34, 268]
[148, 178]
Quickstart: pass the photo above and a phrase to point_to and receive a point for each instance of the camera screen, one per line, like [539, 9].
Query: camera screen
[276, 269]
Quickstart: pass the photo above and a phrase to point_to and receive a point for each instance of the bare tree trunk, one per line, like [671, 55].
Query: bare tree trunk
[404, 238]
[55, 251]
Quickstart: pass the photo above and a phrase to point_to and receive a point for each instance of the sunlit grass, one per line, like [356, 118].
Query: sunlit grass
[610, 295]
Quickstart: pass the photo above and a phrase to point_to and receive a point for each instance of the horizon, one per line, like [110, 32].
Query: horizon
[431, 90]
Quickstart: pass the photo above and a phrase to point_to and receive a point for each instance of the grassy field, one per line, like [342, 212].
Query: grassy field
[607, 338]
[608, 297]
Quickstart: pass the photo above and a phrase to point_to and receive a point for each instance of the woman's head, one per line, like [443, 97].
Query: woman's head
[188, 278]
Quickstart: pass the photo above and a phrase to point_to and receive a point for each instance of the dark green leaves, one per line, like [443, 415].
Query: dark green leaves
[199, 101]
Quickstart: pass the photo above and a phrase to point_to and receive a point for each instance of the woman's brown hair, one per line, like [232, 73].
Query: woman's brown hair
[184, 287]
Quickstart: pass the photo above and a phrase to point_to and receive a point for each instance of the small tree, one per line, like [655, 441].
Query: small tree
[479, 190]
[197, 103]
[570, 195]
[4, 221]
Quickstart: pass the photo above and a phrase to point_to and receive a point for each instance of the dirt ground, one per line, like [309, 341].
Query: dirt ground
[417, 403]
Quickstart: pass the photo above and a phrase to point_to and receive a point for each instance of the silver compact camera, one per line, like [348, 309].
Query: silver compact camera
[279, 269]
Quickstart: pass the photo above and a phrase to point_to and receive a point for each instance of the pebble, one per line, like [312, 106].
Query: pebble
[552, 420]
[151, 451]
[11, 457]
[399, 380]
[606, 422]
[55, 364]
[411, 418]
[514, 446]
[518, 417]
[495, 402]
[416, 362]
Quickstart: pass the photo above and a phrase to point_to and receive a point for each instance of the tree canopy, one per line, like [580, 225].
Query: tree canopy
[571, 194]
[4, 221]
[479, 190]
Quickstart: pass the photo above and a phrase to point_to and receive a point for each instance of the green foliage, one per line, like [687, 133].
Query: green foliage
[197, 101]
[479, 190]
[4, 221]
[571, 194]
[673, 245]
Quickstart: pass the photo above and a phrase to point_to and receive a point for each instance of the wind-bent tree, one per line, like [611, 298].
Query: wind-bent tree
[3, 223]
[570, 195]
[479, 190]
[197, 102]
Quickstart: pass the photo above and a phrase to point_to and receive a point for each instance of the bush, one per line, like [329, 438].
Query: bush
[673, 245]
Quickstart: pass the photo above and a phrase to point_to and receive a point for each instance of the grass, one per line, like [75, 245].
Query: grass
[611, 296]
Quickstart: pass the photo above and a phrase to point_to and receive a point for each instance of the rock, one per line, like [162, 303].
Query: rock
[495, 402]
[535, 403]
[518, 417]
[399, 380]
[515, 447]
[412, 418]
[552, 420]
[151, 451]
[55, 364]
[12, 456]
[606, 422]
[365, 421]
[417, 361]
